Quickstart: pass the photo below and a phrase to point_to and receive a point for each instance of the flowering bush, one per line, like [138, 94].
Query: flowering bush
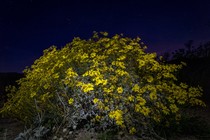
[112, 81]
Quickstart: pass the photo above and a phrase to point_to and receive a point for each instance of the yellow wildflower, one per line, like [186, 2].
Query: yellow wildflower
[92, 55]
[132, 130]
[141, 100]
[149, 79]
[120, 90]
[137, 108]
[145, 111]
[183, 85]
[98, 118]
[136, 88]
[117, 115]
[119, 122]
[70, 73]
[131, 98]
[87, 87]
[174, 108]
[84, 56]
[107, 90]
[71, 101]
[106, 108]
[79, 84]
[122, 57]
[106, 100]
[171, 100]
[121, 72]
[112, 114]
[100, 105]
[157, 118]
[141, 63]
[99, 81]
[95, 100]
[114, 79]
[165, 110]
[129, 47]
[56, 76]
[153, 96]
[119, 64]
[33, 94]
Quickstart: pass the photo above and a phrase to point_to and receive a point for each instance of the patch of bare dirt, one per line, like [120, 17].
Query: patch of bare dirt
[10, 128]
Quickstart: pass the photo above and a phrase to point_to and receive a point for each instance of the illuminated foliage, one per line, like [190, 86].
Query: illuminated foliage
[113, 81]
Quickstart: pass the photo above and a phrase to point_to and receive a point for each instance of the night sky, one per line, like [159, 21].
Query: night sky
[27, 27]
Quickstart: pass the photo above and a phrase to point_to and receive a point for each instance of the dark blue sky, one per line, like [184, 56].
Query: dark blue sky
[27, 27]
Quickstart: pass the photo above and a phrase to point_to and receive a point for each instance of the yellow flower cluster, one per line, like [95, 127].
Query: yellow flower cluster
[71, 101]
[70, 73]
[143, 110]
[121, 58]
[131, 98]
[86, 87]
[121, 72]
[174, 108]
[119, 64]
[120, 90]
[99, 81]
[153, 96]
[97, 118]
[136, 88]
[109, 90]
[117, 115]
[132, 130]
[95, 100]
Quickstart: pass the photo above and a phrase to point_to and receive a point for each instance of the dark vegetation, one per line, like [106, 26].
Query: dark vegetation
[7, 79]
[9, 128]
[196, 72]
[197, 69]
